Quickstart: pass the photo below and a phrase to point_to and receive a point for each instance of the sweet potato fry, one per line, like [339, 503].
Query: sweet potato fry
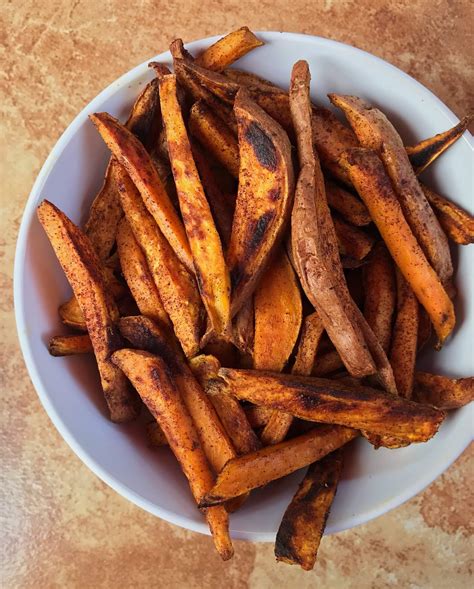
[155, 435]
[424, 328]
[404, 338]
[327, 363]
[215, 136]
[249, 80]
[353, 242]
[71, 315]
[257, 469]
[332, 401]
[457, 223]
[346, 204]
[70, 345]
[206, 248]
[443, 392]
[257, 416]
[303, 523]
[244, 328]
[369, 177]
[264, 197]
[380, 294]
[150, 377]
[83, 271]
[135, 159]
[229, 49]
[375, 131]
[176, 286]
[138, 276]
[425, 152]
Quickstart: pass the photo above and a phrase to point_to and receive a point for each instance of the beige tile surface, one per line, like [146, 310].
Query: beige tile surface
[61, 526]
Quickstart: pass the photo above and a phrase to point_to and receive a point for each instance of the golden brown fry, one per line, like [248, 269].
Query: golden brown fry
[155, 435]
[228, 49]
[404, 338]
[304, 521]
[71, 315]
[425, 152]
[332, 401]
[257, 469]
[375, 131]
[257, 416]
[215, 136]
[443, 392]
[70, 345]
[229, 410]
[149, 336]
[353, 242]
[135, 159]
[264, 198]
[346, 204]
[211, 271]
[380, 294]
[83, 271]
[369, 177]
[457, 223]
[327, 363]
[138, 276]
[150, 377]
[176, 287]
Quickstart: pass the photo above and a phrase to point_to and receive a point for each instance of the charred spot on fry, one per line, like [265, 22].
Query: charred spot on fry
[263, 147]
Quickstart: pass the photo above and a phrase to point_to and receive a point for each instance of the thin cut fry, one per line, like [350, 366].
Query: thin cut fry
[70, 345]
[346, 204]
[443, 392]
[229, 49]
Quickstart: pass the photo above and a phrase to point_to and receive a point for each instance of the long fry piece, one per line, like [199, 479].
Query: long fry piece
[229, 49]
[150, 377]
[443, 392]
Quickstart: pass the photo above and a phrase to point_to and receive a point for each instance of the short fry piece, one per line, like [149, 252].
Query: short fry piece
[327, 363]
[257, 469]
[150, 377]
[70, 345]
[346, 204]
[332, 401]
[138, 276]
[257, 415]
[133, 156]
[206, 248]
[368, 176]
[443, 392]
[353, 242]
[71, 315]
[83, 271]
[457, 223]
[228, 49]
[303, 523]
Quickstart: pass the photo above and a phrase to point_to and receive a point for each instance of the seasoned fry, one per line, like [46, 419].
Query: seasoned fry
[215, 136]
[375, 131]
[368, 176]
[70, 345]
[150, 377]
[138, 276]
[71, 315]
[249, 80]
[380, 294]
[135, 159]
[424, 328]
[257, 416]
[257, 469]
[83, 271]
[353, 242]
[332, 401]
[229, 49]
[211, 271]
[457, 223]
[155, 435]
[443, 392]
[346, 204]
[244, 328]
[142, 333]
[404, 338]
[176, 286]
[327, 363]
[425, 152]
[264, 197]
[303, 523]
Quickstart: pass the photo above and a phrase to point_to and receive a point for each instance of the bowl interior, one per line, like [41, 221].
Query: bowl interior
[374, 481]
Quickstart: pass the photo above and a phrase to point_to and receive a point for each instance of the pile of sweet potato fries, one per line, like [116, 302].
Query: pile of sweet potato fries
[261, 277]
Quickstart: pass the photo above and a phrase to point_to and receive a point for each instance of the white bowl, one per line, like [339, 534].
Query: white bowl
[374, 481]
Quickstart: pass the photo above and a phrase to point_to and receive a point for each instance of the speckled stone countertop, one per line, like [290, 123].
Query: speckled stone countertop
[61, 526]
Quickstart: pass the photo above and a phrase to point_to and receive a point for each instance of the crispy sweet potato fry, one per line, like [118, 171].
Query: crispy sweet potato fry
[257, 416]
[457, 223]
[425, 152]
[353, 242]
[443, 392]
[156, 436]
[303, 523]
[327, 363]
[380, 294]
[208, 257]
[404, 338]
[71, 315]
[346, 204]
[249, 80]
[176, 287]
[228, 49]
[215, 136]
[83, 271]
[332, 401]
[368, 176]
[375, 131]
[259, 468]
[264, 198]
[150, 376]
[70, 345]
[138, 276]
[133, 156]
